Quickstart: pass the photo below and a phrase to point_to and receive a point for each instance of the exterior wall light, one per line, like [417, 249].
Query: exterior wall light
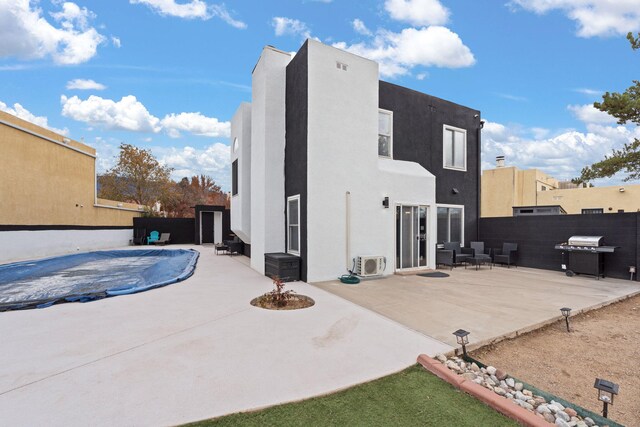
[455, 191]
[606, 391]
[462, 338]
[385, 202]
[566, 312]
[632, 270]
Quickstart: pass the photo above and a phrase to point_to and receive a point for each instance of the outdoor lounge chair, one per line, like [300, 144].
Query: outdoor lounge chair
[478, 250]
[507, 255]
[451, 255]
[153, 237]
[164, 239]
[233, 246]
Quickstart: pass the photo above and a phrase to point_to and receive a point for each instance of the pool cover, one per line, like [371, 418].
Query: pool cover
[92, 275]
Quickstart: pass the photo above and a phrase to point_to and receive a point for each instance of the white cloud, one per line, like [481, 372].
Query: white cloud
[288, 26]
[116, 41]
[422, 76]
[25, 33]
[590, 92]
[587, 113]
[562, 155]
[511, 97]
[428, 47]
[194, 9]
[221, 12]
[417, 12]
[126, 114]
[360, 28]
[196, 124]
[593, 17]
[131, 115]
[213, 160]
[24, 114]
[85, 84]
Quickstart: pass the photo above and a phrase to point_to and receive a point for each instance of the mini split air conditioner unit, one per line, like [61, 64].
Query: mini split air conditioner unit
[367, 266]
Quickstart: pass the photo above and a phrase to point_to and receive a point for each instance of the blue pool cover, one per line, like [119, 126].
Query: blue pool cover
[91, 275]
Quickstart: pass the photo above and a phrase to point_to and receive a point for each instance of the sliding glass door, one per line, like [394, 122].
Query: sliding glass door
[411, 236]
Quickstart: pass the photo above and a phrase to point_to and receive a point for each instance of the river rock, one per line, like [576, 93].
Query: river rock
[520, 396]
[503, 384]
[554, 408]
[561, 423]
[509, 395]
[559, 405]
[495, 379]
[491, 370]
[532, 402]
[469, 376]
[441, 357]
[453, 366]
[500, 374]
[518, 386]
[527, 393]
[499, 391]
[510, 382]
[474, 367]
[463, 365]
[563, 415]
[549, 418]
[589, 422]
[490, 382]
[571, 412]
[581, 424]
[478, 380]
[539, 400]
[543, 409]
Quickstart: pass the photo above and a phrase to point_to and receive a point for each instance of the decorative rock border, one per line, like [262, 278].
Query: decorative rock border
[513, 393]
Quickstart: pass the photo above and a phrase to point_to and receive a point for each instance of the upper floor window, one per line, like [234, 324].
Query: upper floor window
[385, 133]
[234, 178]
[455, 148]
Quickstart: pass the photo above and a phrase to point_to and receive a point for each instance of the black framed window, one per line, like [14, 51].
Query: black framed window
[593, 211]
[234, 178]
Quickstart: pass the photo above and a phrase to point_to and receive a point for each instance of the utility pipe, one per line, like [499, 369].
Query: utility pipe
[348, 231]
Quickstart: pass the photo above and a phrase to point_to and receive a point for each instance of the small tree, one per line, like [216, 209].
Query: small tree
[137, 177]
[626, 108]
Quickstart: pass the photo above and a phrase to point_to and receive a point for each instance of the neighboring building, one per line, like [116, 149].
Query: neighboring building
[506, 188]
[329, 163]
[538, 210]
[48, 201]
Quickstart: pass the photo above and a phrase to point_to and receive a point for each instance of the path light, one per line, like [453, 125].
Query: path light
[606, 391]
[566, 311]
[462, 338]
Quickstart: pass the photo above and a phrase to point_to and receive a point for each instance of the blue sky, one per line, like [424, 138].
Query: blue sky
[168, 75]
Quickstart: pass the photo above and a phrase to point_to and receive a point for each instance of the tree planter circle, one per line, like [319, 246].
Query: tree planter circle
[295, 302]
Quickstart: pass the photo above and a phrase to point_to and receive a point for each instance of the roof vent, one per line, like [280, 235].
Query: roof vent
[499, 161]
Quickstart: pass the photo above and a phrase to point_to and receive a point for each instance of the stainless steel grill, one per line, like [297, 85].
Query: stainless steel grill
[584, 255]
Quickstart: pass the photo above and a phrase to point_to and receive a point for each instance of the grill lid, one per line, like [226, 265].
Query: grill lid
[585, 240]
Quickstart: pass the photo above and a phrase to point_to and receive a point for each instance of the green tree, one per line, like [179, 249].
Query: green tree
[137, 177]
[626, 108]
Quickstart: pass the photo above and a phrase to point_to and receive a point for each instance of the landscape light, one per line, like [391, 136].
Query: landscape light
[566, 311]
[606, 391]
[462, 338]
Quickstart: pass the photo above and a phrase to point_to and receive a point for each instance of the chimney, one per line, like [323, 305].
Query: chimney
[499, 161]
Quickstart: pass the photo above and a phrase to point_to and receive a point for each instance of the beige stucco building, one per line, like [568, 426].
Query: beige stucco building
[506, 187]
[48, 183]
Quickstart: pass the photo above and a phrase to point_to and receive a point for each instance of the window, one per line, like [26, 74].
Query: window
[451, 224]
[385, 133]
[293, 225]
[455, 148]
[544, 188]
[341, 66]
[593, 211]
[234, 178]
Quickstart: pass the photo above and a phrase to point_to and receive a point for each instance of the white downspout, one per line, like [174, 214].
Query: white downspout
[348, 231]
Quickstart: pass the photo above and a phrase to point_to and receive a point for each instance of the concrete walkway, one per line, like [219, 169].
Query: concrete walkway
[190, 351]
[488, 303]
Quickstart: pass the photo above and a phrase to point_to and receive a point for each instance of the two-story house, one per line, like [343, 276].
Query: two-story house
[331, 164]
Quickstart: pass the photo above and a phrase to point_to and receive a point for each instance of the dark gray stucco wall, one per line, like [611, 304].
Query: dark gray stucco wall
[418, 121]
[295, 153]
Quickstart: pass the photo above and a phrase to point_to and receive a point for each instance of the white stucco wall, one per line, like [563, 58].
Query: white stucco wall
[343, 156]
[267, 155]
[25, 245]
[241, 202]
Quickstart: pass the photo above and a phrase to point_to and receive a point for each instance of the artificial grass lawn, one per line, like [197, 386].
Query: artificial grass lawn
[408, 398]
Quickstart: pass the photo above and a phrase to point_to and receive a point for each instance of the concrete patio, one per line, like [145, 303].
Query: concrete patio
[489, 303]
[190, 351]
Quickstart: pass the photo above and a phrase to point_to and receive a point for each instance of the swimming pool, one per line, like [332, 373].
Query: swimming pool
[92, 275]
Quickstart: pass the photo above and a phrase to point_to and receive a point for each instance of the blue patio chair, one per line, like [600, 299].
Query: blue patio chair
[153, 237]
